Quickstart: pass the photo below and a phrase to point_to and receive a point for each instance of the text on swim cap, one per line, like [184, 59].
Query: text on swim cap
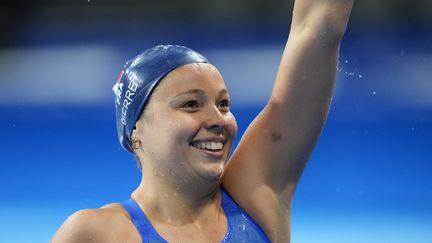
[130, 92]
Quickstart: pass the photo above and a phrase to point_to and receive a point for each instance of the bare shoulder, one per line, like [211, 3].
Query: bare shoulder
[107, 224]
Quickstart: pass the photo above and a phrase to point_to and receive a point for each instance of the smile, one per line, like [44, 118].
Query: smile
[210, 146]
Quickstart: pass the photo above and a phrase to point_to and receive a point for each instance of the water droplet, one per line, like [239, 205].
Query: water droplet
[360, 76]
[346, 61]
[374, 92]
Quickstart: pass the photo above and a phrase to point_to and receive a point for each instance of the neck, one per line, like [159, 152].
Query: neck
[174, 200]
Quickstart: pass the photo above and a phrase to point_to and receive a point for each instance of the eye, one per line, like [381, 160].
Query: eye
[224, 105]
[190, 105]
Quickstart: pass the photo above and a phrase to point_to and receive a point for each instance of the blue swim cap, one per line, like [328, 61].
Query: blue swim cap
[139, 78]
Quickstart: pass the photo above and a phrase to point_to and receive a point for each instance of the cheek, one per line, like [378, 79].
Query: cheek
[231, 125]
[182, 128]
[167, 141]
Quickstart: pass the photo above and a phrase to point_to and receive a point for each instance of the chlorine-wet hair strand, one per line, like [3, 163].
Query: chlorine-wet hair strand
[139, 77]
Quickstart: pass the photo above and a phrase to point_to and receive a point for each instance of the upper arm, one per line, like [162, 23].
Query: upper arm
[264, 171]
[269, 160]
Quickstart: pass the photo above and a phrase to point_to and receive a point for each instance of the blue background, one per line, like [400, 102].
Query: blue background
[368, 179]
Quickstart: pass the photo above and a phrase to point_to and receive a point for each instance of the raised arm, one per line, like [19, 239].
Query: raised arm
[268, 162]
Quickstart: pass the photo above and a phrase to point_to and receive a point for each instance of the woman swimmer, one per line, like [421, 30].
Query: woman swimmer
[190, 190]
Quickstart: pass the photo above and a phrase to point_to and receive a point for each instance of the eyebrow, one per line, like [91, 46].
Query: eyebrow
[200, 92]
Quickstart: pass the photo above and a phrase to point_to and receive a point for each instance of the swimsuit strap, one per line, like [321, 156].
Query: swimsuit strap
[143, 225]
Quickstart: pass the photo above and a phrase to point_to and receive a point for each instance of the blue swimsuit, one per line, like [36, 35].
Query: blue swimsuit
[241, 227]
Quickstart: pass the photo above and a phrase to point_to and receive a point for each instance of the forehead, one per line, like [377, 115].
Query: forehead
[202, 76]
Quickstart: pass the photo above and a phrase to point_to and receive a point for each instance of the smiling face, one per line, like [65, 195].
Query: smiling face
[187, 128]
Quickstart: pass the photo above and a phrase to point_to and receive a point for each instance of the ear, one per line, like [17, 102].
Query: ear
[135, 141]
[138, 128]
[139, 125]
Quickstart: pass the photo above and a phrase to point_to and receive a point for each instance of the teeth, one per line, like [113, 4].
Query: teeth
[209, 145]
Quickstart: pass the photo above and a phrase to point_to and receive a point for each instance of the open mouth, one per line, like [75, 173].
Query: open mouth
[208, 146]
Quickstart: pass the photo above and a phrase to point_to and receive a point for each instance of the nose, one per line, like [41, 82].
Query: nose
[215, 120]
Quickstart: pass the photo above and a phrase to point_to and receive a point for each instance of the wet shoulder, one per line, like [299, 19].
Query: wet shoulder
[107, 224]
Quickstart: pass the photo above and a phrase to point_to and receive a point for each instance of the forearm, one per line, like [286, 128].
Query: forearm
[325, 18]
[308, 66]
[312, 49]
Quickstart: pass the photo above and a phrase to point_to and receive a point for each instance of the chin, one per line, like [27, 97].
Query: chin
[213, 172]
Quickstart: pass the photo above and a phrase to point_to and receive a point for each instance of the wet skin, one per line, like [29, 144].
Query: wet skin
[186, 132]
[190, 106]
